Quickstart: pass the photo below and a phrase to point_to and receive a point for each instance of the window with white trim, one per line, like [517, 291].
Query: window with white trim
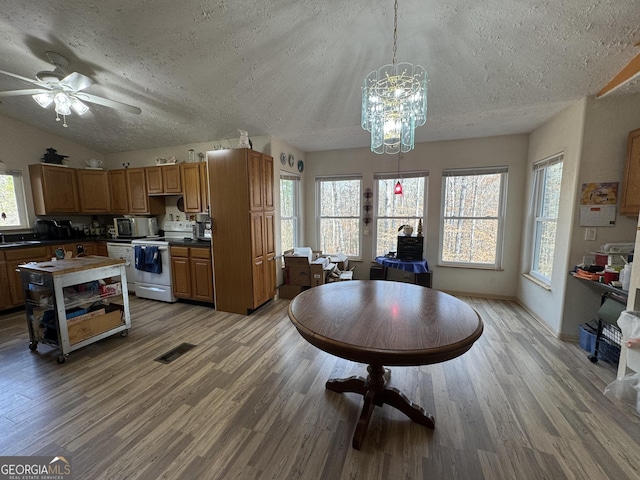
[289, 210]
[473, 206]
[13, 210]
[393, 211]
[547, 181]
[339, 214]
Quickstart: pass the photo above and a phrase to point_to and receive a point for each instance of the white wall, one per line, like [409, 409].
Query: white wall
[563, 134]
[504, 150]
[603, 155]
[21, 145]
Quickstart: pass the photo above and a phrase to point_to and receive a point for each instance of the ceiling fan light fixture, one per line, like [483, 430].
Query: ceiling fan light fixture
[78, 107]
[43, 99]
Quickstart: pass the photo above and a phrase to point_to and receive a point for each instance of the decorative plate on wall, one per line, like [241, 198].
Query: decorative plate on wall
[283, 158]
[291, 160]
[300, 165]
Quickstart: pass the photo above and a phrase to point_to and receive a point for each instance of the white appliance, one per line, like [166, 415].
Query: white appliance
[159, 286]
[135, 227]
[124, 250]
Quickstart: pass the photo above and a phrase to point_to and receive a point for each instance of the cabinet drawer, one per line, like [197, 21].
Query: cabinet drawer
[179, 251]
[199, 252]
[32, 253]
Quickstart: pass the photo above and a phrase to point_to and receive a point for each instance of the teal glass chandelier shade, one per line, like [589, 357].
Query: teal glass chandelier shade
[394, 103]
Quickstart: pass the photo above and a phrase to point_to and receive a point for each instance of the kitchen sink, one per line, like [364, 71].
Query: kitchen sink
[21, 243]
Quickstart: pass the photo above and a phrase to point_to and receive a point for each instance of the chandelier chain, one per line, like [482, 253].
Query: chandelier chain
[395, 31]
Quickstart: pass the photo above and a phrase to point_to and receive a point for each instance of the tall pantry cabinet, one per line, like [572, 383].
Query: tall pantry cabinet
[243, 228]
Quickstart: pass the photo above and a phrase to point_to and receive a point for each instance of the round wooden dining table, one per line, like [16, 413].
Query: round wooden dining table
[382, 323]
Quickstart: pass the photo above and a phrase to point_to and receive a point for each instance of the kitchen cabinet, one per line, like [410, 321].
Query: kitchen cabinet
[54, 189]
[630, 203]
[241, 201]
[192, 273]
[101, 249]
[118, 191]
[73, 303]
[12, 289]
[191, 187]
[93, 191]
[139, 201]
[5, 298]
[164, 179]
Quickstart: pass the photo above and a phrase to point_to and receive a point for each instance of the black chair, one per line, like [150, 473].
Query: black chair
[609, 337]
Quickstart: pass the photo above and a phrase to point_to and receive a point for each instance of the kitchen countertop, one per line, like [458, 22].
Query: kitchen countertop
[37, 243]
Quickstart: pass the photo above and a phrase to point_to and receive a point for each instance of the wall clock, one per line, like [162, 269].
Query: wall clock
[291, 160]
[300, 165]
[283, 158]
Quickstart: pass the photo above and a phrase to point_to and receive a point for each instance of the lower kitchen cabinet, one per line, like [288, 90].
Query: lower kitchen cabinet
[192, 273]
[13, 258]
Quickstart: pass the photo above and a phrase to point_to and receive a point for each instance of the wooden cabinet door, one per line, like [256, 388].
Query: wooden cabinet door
[256, 182]
[5, 297]
[101, 249]
[270, 254]
[201, 279]
[118, 191]
[171, 179]
[258, 253]
[54, 189]
[204, 187]
[191, 187]
[93, 190]
[630, 204]
[181, 276]
[267, 176]
[155, 183]
[137, 191]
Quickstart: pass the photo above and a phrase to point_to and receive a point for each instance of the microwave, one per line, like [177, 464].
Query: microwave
[135, 227]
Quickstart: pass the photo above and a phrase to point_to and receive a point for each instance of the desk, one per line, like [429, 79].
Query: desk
[384, 323]
[419, 268]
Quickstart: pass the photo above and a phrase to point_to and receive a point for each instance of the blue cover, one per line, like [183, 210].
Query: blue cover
[147, 259]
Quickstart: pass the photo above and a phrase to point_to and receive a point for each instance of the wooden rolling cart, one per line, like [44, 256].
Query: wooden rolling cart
[73, 303]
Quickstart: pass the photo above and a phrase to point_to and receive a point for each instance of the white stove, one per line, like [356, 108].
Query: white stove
[153, 272]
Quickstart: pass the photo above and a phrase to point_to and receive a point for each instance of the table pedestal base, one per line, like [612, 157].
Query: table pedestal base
[375, 393]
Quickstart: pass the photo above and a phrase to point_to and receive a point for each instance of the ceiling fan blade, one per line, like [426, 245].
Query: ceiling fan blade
[75, 81]
[29, 91]
[628, 73]
[87, 97]
[30, 80]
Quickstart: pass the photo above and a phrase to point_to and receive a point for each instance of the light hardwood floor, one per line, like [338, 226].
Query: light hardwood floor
[248, 402]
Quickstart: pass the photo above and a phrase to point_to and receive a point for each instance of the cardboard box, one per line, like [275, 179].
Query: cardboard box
[289, 292]
[613, 259]
[92, 324]
[319, 270]
[298, 275]
[340, 259]
[300, 256]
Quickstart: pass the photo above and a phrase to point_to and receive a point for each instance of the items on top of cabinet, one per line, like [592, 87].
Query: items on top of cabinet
[52, 156]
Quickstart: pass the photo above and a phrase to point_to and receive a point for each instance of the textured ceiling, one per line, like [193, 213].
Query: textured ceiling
[199, 70]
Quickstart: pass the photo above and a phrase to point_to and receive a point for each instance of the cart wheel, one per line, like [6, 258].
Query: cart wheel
[593, 358]
[33, 346]
[124, 333]
[61, 359]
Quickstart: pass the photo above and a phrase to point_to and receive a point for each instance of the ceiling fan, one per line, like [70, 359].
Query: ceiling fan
[63, 91]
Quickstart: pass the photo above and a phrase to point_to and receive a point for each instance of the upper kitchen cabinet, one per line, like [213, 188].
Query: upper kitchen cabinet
[54, 189]
[164, 180]
[191, 187]
[260, 170]
[93, 190]
[118, 191]
[630, 204]
[139, 201]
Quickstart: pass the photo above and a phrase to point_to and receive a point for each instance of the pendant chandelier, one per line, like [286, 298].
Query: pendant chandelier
[394, 102]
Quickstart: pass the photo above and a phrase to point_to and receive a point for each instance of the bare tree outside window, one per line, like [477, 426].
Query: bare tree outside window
[394, 210]
[339, 215]
[289, 200]
[473, 216]
[13, 213]
[546, 191]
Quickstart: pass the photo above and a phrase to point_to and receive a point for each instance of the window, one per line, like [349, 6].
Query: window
[393, 211]
[13, 211]
[473, 217]
[546, 201]
[289, 206]
[338, 207]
